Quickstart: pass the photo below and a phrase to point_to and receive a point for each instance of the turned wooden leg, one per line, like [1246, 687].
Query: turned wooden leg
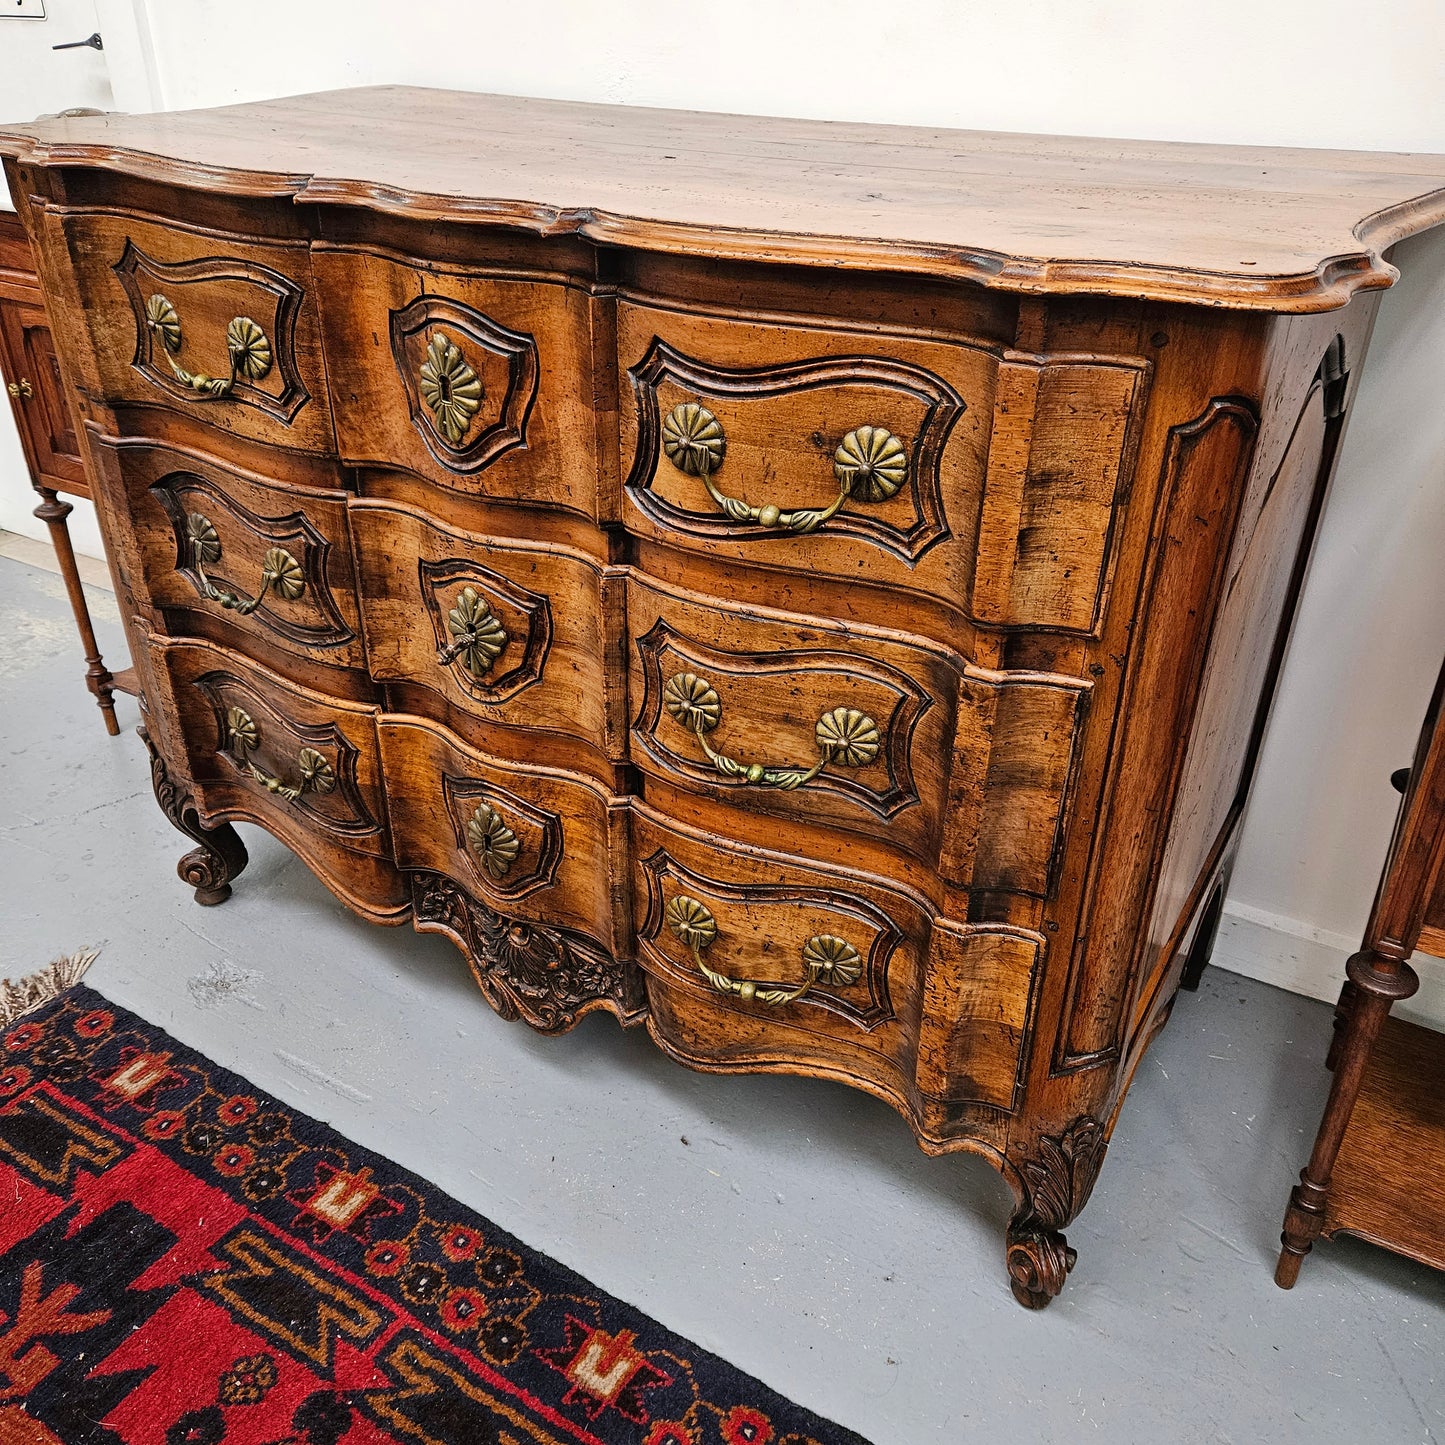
[221, 855]
[1376, 983]
[1057, 1179]
[53, 512]
[1343, 1005]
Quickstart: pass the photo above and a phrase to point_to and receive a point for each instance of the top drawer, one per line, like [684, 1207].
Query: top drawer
[479, 382]
[929, 466]
[219, 326]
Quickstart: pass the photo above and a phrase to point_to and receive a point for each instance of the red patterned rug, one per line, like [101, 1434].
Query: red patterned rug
[184, 1261]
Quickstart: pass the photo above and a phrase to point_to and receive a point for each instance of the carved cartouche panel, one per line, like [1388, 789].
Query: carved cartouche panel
[513, 845]
[192, 312]
[234, 560]
[855, 739]
[548, 977]
[512, 625]
[278, 757]
[882, 485]
[470, 381]
[761, 935]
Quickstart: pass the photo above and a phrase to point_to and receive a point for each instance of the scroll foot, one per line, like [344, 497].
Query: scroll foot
[220, 856]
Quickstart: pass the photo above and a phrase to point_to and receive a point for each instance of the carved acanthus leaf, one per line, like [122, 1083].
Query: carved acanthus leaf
[545, 976]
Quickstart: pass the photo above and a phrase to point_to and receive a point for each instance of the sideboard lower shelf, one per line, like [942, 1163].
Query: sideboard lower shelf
[1388, 1184]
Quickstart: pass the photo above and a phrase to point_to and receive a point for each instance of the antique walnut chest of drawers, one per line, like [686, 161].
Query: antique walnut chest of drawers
[810, 590]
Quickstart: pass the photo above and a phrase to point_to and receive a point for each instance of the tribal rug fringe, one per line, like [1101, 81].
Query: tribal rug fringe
[27, 994]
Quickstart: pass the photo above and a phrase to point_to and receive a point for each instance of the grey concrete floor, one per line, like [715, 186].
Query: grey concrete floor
[790, 1226]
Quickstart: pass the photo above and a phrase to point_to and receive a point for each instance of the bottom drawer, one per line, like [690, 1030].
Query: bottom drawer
[303, 765]
[532, 843]
[523, 867]
[761, 961]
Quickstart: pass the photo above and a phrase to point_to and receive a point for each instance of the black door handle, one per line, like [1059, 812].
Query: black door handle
[91, 42]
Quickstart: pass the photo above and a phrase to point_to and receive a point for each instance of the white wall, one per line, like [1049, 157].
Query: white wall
[35, 80]
[1289, 72]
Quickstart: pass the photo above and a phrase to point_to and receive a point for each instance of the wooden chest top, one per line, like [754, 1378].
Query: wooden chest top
[1250, 227]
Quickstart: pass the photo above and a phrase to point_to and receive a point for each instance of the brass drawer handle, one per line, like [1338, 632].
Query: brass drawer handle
[492, 841]
[826, 957]
[244, 737]
[247, 346]
[279, 569]
[478, 639]
[21, 390]
[870, 464]
[844, 735]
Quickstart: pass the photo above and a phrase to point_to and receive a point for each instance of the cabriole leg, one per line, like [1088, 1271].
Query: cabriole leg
[221, 856]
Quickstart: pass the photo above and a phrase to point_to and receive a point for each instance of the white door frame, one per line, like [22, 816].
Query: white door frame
[130, 55]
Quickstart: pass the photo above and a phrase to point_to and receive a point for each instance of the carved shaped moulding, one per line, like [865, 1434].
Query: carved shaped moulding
[837, 445]
[548, 977]
[513, 845]
[219, 328]
[470, 381]
[234, 559]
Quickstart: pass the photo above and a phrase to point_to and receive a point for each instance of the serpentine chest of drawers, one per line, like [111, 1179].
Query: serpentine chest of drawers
[811, 590]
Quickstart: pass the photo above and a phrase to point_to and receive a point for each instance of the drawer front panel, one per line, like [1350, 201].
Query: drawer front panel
[964, 769]
[481, 385]
[303, 765]
[512, 635]
[857, 456]
[791, 717]
[531, 843]
[218, 326]
[266, 557]
[747, 929]
[758, 959]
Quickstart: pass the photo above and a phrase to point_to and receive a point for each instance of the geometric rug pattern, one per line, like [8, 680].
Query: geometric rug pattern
[185, 1261]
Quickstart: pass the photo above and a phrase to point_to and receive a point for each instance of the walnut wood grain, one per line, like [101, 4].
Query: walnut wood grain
[1272, 229]
[1114, 375]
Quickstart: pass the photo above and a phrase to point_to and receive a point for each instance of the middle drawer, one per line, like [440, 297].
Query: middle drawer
[836, 730]
[256, 560]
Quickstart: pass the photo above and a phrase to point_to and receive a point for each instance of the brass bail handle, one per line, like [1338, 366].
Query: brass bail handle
[826, 957]
[279, 569]
[247, 346]
[243, 737]
[843, 735]
[869, 465]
